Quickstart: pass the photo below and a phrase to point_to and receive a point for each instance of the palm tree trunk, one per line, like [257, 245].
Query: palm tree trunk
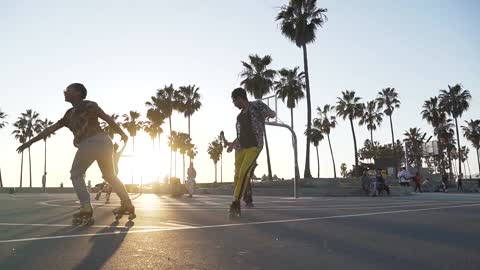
[449, 156]
[171, 150]
[175, 164]
[459, 149]
[45, 159]
[478, 160]
[133, 142]
[21, 171]
[1, 182]
[391, 130]
[333, 159]
[354, 143]
[318, 163]
[268, 156]
[469, 171]
[221, 168]
[306, 173]
[291, 117]
[190, 159]
[373, 145]
[215, 172]
[30, 165]
[183, 171]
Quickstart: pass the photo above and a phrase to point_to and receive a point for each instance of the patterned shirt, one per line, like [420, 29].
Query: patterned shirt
[82, 120]
[256, 109]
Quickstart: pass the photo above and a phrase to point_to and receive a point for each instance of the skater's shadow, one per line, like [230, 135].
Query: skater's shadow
[104, 246]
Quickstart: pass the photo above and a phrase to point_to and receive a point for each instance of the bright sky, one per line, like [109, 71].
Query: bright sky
[123, 51]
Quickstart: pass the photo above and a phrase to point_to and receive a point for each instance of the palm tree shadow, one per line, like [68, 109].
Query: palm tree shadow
[104, 247]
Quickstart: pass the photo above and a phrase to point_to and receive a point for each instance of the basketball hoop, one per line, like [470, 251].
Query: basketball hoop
[279, 123]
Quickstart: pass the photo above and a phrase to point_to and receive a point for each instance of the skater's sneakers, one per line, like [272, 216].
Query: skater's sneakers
[126, 208]
[235, 209]
[249, 205]
[84, 215]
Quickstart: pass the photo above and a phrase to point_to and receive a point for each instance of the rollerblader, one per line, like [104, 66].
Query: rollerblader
[93, 145]
[248, 144]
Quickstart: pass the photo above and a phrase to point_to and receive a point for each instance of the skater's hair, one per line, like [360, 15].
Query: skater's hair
[79, 88]
[115, 147]
[239, 92]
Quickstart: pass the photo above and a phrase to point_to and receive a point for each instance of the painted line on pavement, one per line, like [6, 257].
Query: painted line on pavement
[228, 225]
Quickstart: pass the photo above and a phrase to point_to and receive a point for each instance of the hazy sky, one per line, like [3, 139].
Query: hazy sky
[123, 51]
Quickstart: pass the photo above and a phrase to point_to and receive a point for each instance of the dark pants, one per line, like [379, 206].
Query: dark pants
[418, 187]
[383, 186]
[459, 186]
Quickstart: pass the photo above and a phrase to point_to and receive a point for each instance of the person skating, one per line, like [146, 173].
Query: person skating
[93, 145]
[248, 144]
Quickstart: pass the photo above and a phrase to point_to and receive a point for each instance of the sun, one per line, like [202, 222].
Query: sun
[145, 165]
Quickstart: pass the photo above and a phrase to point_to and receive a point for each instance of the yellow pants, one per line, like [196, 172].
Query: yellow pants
[244, 160]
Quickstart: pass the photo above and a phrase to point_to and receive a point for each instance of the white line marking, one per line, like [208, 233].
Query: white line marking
[234, 224]
[167, 225]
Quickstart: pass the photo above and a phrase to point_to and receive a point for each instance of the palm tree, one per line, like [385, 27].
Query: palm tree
[2, 121]
[472, 132]
[349, 106]
[109, 129]
[298, 22]
[455, 101]
[258, 80]
[463, 155]
[436, 117]
[327, 122]
[388, 100]
[44, 124]
[174, 144]
[2, 125]
[31, 125]
[414, 139]
[166, 101]
[215, 152]
[290, 87]
[153, 129]
[184, 144]
[132, 124]
[191, 102]
[446, 136]
[372, 118]
[21, 136]
[315, 137]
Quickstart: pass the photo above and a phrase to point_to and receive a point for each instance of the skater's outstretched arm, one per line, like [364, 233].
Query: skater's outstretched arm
[112, 123]
[42, 135]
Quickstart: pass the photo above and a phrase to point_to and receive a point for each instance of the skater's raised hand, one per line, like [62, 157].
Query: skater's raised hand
[24, 146]
[124, 138]
[229, 147]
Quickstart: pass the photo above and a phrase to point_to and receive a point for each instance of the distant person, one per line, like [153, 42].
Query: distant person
[44, 182]
[61, 185]
[460, 182]
[427, 185]
[417, 179]
[191, 175]
[404, 178]
[107, 188]
[365, 180]
[445, 182]
[93, 145]
[381, 183]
